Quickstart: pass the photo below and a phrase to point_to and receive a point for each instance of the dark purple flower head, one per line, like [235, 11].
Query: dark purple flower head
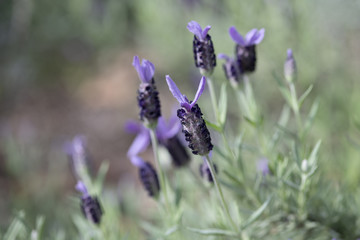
[290, 67]
[253, 37]
[245, 49]
[182, 99]
[149, 179]
[145, 70]
[203, 48]
[90, 205]
[148, 96]
[196, 29]
[230, 68]
[190, 115]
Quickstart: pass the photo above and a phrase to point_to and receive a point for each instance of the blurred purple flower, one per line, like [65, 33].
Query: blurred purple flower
[196, 29]
[290, 67]
[230, 69]
[253, 37]
[145, 70]
[262, 166]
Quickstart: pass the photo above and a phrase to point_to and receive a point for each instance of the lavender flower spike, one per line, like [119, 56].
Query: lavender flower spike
[190, 115]
[148, 96]
[230, 69]
[290, 67]
[245, 49]
[204, 54]
[90, 205]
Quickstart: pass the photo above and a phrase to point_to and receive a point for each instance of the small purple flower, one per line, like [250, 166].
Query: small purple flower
[290, 67]
[148, 96]
[262, 166]
[230, 69]
[149, 179]
[203, 48]
[190, 115]
[245, 50]
[78, 156]
[166, 133]
[90, 205]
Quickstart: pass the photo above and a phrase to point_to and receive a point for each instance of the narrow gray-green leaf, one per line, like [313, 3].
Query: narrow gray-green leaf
[255, 215]
[213, 125]
[313, 156]
[305, 94]
[213, 232]
[222, 105]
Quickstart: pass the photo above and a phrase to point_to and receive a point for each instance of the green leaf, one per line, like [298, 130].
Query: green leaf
[213, 232]
[17, 228]
[222, 105]
[252, 122]
[255, 215]
[101, 177]
[311, 116]
[305, 94]
[313, 156]
[213, 125]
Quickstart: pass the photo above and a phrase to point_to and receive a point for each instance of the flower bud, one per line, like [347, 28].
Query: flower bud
[206, 173]
[149, 179]
[290, 67]
[91, 209]
[149, 103]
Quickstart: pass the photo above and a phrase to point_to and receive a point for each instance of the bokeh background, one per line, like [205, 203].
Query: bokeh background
[65, 69]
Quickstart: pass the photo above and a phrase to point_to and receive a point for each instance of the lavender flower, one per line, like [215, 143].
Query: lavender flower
[290, 67]
[230, 68]
[245, 48]
[204, 54]
[205, 171]
[166, 133]
[262, 166]
[78, 156]
[147, 173]
[90, 205]
[148, 96]
[190, 115]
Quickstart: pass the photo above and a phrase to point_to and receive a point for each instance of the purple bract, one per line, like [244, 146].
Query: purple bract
[253, 37]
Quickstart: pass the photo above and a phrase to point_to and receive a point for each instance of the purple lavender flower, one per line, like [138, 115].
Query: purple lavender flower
[290, 67]
[262, 166]
[205, 171]
[204, 54]
[148, 96]
[166, 133]
[230, 69]
[245, 48]
[78, 156]
[190, 115]
[147, 173]
[90, 205]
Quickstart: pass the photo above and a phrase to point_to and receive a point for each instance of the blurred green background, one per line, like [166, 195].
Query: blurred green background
[65, 69]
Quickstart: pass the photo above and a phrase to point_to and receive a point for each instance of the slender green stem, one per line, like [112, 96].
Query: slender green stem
[295, 106]
[213, 99]
[219, 191]
[163, 186]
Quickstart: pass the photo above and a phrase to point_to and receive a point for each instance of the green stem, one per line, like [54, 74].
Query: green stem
[295, 106]
[219, 191]
[163, 186]
[213, 99]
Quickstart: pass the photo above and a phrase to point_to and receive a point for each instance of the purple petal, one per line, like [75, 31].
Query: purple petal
[235, 35]
[175, 90]
[148, 69]
[172, 130]
[258, 37]
[199, 91]
[250, 36]
[133, 127]
[140, 143]
[289, 54]
[139, 69]
[161, 129]
[205, 31]
[137, 161]
[195, 28]
[80, 186]
[223, 56]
